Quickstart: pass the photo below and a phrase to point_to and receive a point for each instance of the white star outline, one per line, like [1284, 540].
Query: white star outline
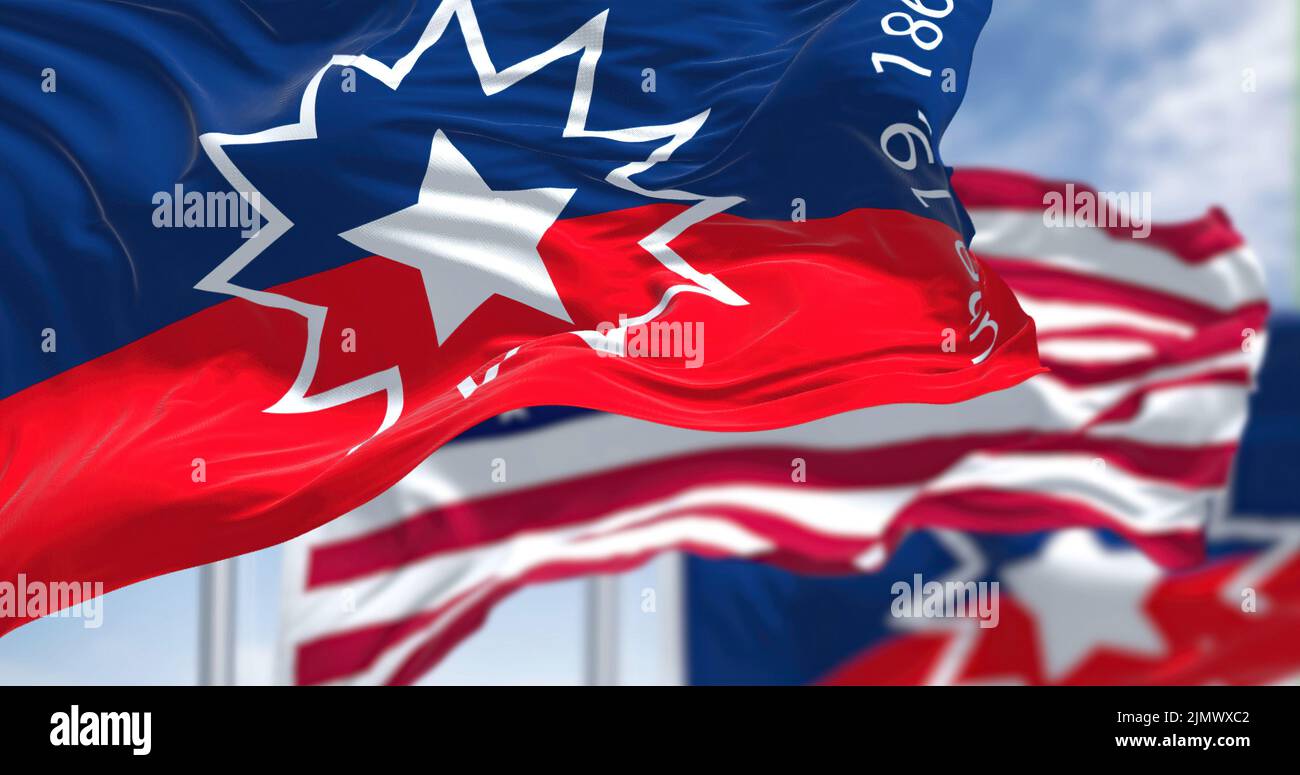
[588, 39]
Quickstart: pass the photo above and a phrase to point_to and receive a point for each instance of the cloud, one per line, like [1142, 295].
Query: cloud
[1148, 97]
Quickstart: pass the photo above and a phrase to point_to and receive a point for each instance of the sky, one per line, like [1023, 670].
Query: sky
[1191, 100]
[1146, 96]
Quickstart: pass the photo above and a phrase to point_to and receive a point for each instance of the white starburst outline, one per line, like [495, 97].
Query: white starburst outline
[588, 39]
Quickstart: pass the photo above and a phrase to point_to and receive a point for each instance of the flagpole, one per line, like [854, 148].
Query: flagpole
[217, 623]
[602, 631]
[671, 607]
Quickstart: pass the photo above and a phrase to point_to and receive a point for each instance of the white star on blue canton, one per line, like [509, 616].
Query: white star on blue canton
[468, 241]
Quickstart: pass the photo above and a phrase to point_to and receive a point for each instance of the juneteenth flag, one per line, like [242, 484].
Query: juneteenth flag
[260, 262]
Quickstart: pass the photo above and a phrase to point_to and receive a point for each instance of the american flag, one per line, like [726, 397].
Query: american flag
[1152, 341]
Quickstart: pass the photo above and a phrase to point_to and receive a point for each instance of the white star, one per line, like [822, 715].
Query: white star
[468, 241]
[1083, 596]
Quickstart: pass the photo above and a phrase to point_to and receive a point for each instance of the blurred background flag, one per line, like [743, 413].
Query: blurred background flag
[1076, 606]
[1153, 333]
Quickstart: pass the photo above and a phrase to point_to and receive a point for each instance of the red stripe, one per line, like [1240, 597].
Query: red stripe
[1193, 241]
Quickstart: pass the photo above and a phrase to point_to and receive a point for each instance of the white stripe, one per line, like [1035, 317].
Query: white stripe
[1190, 415]
[1223, 282]
[1052, 317]
[1095, 350]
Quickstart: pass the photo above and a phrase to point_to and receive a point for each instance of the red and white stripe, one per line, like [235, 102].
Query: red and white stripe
[1152, 345]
